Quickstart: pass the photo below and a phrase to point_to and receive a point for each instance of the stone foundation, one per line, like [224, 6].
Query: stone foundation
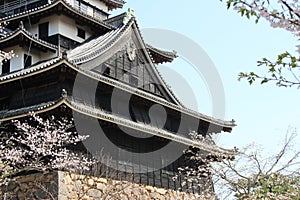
[64, 186]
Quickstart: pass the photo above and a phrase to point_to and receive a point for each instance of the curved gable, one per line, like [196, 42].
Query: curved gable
[122, 55]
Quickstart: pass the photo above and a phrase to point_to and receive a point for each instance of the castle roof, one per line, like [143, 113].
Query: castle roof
[60, 6]
[55, 62]
[87, 110]
[89, 53]
[161, 56]
[83, 58]
[21, 36]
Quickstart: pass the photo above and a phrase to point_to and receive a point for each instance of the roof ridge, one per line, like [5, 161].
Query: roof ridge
[172, 54]
[104, 115]
[156, 70]
[110, 81]
[102, 44]
[164, 133]
[22, 30]
[38, 39]
[30, 69]
[118, 19]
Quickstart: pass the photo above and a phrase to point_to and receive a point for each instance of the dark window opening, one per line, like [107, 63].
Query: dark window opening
[106, 71]
[44, 30]
[27, 60]
[4, 102]
[81, 33]
[5, 66]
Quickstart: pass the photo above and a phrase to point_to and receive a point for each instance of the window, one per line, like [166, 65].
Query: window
[81, 33]
[5, 66]
[44, 30]
[106, 71]
[27, 60]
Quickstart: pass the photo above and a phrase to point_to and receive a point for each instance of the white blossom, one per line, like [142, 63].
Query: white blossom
[40, 144]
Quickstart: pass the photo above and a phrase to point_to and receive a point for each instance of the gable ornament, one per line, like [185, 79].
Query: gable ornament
[131, 50]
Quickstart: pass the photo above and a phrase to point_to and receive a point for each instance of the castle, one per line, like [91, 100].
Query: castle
[74, 60]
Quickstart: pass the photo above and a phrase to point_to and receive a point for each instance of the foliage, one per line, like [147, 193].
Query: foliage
[196, 174]
[275, 186]
[39, 144]
[283, 14]
[249, 175]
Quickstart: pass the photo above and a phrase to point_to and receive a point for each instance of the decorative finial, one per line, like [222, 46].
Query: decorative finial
[64, 93]
[128, 15]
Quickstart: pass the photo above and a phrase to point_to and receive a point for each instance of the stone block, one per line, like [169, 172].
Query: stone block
[26, 179]
[94, 193]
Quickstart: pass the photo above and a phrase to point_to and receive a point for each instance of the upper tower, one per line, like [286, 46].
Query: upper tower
[42, 29]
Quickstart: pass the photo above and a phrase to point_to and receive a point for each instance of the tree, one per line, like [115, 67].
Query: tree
[38, 144]
[284, 71]
[249, 175]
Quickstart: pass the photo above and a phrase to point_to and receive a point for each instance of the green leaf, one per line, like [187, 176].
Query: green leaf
[242, 10]
[228, 5]
[265, 80]
[248, 14]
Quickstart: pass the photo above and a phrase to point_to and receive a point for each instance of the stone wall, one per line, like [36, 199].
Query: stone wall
[33, 186]
[64, 186]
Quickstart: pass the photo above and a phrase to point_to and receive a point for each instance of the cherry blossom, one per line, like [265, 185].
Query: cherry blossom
[40, 144]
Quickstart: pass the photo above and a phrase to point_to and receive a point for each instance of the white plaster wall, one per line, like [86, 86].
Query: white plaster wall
[68, 28]
[17, 62]
[39, 55]
[60, 24]
[53, 26]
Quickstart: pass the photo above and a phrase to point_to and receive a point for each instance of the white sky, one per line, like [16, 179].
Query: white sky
[263, 113]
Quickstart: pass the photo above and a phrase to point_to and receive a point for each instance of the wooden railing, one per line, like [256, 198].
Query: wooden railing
[12, 5]
[17, 6]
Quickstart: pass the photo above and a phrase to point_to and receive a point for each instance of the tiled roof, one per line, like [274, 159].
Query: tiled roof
[156, 70]
[96, 47]
[52, 4]
[46, 65]
[9, 114]
[167, 56]
[22, 31]
[101, 114]
[29, 71]
[116, 21]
